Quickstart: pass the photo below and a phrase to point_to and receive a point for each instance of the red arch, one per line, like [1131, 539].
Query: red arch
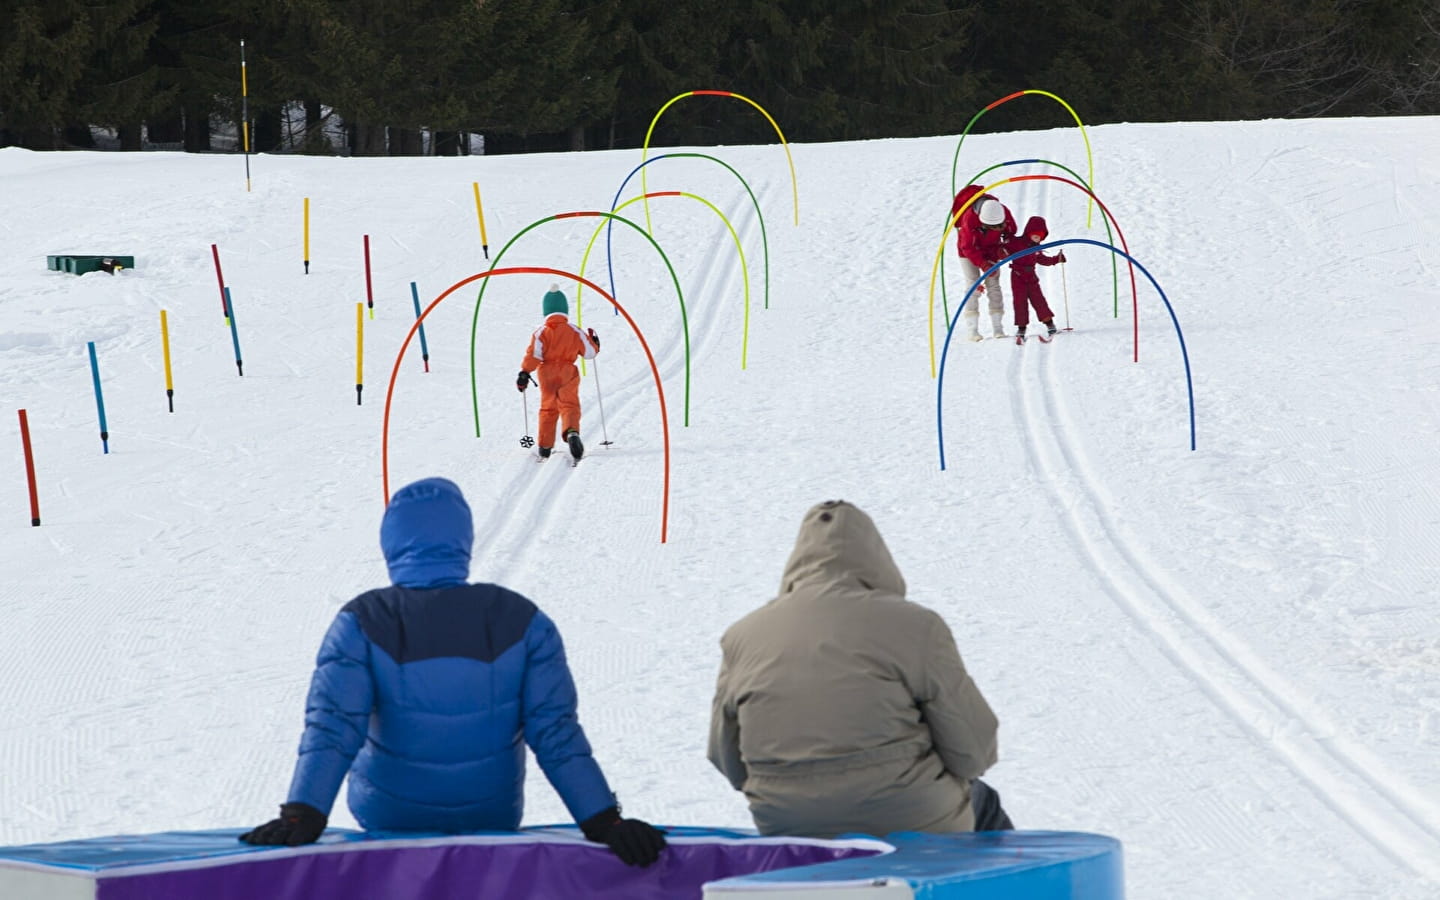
[531, 270]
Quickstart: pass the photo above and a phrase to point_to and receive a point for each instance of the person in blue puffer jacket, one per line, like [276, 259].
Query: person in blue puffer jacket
[427, 692]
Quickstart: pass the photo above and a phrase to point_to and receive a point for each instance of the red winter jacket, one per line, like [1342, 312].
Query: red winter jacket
[984, 246]
[1034, 226]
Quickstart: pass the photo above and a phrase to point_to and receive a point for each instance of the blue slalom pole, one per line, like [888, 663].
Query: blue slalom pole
[99, 399]
[424, 347]
[234, 335]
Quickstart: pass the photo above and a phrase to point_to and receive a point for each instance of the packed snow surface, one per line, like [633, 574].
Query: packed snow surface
[1229, 658]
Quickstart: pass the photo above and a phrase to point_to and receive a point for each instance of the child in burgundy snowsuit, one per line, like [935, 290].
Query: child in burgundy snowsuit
[552, 351]
[1024, 283]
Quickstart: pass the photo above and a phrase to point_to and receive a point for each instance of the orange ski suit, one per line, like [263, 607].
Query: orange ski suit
[552, 351]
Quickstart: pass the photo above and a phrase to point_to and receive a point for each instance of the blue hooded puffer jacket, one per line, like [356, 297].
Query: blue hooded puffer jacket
[427, 692]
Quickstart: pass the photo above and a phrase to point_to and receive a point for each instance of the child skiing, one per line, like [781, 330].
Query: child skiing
[1025, 284]
[552, 351]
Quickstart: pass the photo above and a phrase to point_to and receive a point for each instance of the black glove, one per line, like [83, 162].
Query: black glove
[299, 823]
[594, 338]
[523, 380]
[636, 843]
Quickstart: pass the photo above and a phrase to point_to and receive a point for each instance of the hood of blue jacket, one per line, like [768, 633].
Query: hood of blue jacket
[426, 535]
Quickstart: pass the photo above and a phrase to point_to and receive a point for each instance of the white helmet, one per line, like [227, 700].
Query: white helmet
[991, 212]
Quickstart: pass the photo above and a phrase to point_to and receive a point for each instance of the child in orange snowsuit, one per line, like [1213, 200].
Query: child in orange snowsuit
[1024, 283]
[552, 351]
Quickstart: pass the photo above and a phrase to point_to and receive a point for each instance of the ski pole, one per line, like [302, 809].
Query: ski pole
[601, 400]
[1066, 288]
[525, 439]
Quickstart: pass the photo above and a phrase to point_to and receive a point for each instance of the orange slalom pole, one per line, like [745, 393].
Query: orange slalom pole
[30, 469]
[307, 235]
[165, 345]
[359, 350]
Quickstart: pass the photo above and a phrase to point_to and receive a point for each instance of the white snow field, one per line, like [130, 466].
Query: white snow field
[1229, 658]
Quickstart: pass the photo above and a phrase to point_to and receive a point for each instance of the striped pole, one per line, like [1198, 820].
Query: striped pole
[99, 399]
[424, 347]
[30, 469]
[480, 213]
[359, 350]
[220, 277]
[369, 288]
[165, 345]
[245, 114]
[307, 235]
[234, 335]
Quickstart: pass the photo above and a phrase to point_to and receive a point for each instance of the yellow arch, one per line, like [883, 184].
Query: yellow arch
[645, 150]
[744, 267]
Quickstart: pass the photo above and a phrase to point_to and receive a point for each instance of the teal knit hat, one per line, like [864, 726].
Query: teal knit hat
[555, 302]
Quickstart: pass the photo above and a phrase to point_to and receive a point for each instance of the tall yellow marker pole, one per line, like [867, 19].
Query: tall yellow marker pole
[245, 114]
[165, 344]
[307, 235]
[480, 213]
[359, 350]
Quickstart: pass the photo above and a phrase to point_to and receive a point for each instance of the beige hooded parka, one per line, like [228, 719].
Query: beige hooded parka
[841, 706]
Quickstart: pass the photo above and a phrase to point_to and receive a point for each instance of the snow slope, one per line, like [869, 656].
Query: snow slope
[1228, 658]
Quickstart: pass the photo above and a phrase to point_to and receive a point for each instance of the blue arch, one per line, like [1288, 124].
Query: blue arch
[950, 332]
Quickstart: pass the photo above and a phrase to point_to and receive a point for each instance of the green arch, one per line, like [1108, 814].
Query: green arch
[475, 318]
[744, 271]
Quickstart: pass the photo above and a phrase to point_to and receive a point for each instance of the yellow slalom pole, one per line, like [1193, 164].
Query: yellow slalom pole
[359, 350]
[480, 214]
[245, 114]
[307, 235]
[165, 344]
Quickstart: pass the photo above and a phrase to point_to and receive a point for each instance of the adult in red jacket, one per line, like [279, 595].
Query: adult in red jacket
[1024, 283]
[984, 229]
[552, 352]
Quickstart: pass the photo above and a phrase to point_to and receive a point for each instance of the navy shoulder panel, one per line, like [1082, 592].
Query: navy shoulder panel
[473, 621]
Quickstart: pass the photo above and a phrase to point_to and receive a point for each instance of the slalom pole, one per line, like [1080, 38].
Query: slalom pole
[369, 290]
[359, 350]
[601, 400]
[30, 469]
[424, 348]
[307, 235]
[220, 277]
[480, 213]
[99, 398]
[165, 345]
[245, 113]
[234, 334]
[1066, 288]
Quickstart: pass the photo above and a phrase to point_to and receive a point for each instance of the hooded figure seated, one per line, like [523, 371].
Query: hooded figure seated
[842, 707]
[427, 692]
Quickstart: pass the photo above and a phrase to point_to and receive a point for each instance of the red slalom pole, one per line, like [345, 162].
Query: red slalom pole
[30, 469]
[224, 306]
[369, 289]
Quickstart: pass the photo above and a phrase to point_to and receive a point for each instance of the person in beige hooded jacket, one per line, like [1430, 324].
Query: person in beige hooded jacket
[843, 707]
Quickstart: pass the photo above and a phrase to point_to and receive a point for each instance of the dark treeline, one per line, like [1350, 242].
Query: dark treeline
[404, 76]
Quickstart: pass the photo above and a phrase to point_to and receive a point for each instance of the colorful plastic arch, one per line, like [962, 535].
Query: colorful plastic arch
[480, 297]
[744, 271]
[645, 150]
[527, 270]
[1114, 273]
[940, 386]
[955, 217]
[764, 239]
[1090, 160]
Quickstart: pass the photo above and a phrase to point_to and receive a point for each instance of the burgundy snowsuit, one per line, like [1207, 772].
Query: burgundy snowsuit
[1024, 283]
